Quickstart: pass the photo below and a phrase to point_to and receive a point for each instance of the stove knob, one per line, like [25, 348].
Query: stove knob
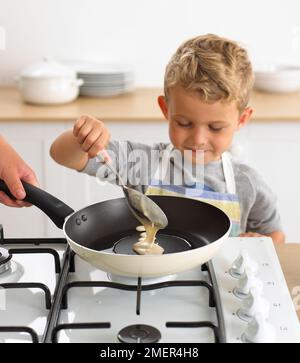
[253, 304]
[259, 330]
[246, 282]
[242, 262]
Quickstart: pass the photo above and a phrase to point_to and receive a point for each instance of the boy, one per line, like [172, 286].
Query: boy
[207, 88]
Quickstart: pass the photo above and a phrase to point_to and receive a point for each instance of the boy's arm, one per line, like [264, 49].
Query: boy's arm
[74, 147]
[277, 236]
[264, 218]
[66, 150]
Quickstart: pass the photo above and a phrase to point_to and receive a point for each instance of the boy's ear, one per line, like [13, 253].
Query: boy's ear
[163, 105]
[245, 117]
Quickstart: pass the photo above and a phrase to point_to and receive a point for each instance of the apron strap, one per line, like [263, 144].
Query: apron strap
[228, 173]
[163, 163]
[226, 163]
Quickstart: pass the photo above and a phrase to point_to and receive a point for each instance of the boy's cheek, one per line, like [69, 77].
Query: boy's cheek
[172, 134]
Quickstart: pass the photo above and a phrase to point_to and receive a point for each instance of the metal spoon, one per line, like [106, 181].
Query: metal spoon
[142, 207]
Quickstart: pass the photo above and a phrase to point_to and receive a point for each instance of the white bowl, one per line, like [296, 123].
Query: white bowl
[278, 79]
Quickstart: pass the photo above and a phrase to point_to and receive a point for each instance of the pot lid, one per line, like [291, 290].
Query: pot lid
[48, 69]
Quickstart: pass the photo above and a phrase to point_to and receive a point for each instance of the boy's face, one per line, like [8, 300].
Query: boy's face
[198, 125]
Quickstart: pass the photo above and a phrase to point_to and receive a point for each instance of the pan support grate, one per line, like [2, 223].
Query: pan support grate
[59, 300]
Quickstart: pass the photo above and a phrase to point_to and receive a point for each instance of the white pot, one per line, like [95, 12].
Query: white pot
[49, 83]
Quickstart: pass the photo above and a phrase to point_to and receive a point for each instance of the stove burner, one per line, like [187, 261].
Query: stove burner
[5, 258]
[128, 280]
[139, 334]
[171, 244]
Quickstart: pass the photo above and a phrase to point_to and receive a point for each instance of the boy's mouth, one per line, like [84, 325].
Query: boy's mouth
[197, 150]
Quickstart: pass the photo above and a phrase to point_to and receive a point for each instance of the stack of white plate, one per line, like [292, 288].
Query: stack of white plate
[104, 79]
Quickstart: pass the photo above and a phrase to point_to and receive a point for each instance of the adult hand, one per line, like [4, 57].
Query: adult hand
[13, 169]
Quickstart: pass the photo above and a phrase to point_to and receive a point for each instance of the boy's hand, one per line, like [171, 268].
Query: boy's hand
[251, 234]
[277, 236]
[92, 135]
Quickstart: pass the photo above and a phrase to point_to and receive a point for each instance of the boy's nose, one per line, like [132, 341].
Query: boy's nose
[199, 137]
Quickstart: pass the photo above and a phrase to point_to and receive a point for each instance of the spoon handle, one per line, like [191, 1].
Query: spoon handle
[101, 158]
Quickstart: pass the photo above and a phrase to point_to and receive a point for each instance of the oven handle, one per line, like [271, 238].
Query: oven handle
[55, 209]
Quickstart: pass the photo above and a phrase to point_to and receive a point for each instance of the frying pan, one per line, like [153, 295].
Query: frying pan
[102, 234]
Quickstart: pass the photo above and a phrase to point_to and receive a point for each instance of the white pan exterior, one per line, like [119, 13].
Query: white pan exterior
[147, 265]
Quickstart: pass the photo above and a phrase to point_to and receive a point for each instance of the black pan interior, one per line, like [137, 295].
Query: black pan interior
[101, 225]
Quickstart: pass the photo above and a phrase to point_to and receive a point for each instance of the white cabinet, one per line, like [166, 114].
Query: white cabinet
[273, 148]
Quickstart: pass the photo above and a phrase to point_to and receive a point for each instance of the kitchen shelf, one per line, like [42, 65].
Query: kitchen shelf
[138, 106]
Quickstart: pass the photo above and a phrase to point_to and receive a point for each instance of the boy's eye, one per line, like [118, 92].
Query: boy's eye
[215, 129]
[184, 124]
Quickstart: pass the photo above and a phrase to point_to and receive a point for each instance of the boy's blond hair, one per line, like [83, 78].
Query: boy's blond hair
[217, 68]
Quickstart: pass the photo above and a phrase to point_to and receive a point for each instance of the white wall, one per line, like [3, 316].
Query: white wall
[143, 32]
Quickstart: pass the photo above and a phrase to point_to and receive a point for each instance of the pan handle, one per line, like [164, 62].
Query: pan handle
[55, 209]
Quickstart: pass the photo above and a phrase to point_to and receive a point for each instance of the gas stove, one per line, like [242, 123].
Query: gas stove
[48, 294]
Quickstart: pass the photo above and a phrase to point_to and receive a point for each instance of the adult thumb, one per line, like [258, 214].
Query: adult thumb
[15, 185]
